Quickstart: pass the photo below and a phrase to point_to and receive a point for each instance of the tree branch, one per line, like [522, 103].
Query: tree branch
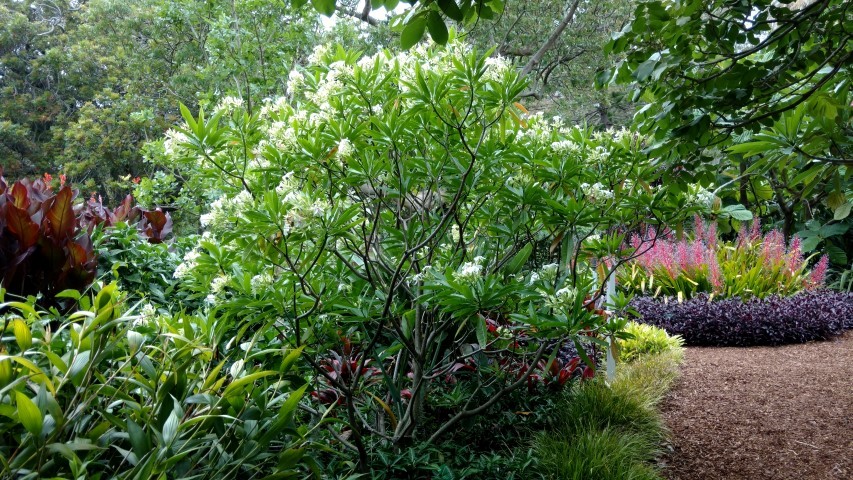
[552, 40]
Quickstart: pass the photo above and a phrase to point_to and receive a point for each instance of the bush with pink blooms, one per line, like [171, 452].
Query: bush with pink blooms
[754, 266]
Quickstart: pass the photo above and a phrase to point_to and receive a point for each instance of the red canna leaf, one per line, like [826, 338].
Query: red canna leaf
[20, 196]
[22, 227]
[60, 214]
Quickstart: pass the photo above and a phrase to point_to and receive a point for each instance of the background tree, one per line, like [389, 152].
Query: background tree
[754, 94]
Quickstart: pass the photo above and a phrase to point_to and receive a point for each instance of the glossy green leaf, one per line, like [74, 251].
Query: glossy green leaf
[29, 414]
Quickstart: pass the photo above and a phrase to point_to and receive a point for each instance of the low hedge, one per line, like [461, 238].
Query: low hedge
[774, 320]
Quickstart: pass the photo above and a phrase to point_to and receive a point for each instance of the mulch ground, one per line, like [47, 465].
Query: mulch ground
[763, 413]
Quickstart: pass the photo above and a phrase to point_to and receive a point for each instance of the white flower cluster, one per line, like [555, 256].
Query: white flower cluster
[549, 272]
[598, 155]
[219, 283]
[700, 197]
[496, 68]
[345, 148]
[295, 81]
[228, 105]
[173, 141]
[223, 208]
[566, 147]
[146, 315]
[302, 208]
[261, 282]
[563, 298]
[189, 263]
[470, 272]
[317, 55]
[596, 192]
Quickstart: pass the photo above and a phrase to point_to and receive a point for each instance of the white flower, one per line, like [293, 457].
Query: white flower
[317, 55]
[173, 141]
[566, 147]
[210, 299]
[219, 283]
[344, 148]
[563, 298]
[496, 68]
[189, 263]
[228, 104]
[534, 277]
[470, 271]
[146, 315]
[454, 234]
[261, 282]
[549, 272]
[699, 196]
[295, 80]
[597, 192]
[598, 155]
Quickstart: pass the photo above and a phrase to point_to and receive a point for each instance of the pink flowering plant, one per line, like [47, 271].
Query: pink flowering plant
[755, 265]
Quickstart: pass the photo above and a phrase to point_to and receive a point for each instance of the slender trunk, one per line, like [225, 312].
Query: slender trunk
[552, 40]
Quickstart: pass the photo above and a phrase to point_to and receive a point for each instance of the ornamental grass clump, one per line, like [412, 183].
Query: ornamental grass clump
[755, 265]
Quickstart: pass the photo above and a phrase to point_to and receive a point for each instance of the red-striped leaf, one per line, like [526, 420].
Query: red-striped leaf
[60, 214]
[22, 227]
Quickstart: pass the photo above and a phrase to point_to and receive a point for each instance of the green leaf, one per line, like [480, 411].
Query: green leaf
[289, 405]
[450, 9]
[170, 428]
[480, 329]
[842, 212]
[836, 255]
[291, 357]
[326, 7]
[29, 414]
[23, 336]
[583, 355]
[437, 28]
[233, 387]
[737, 212]
[413, 32]
[139, 440]
[518, 260]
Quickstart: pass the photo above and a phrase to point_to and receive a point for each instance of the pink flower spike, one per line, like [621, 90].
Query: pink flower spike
[711, 235]
[716, 275]
[795, 255]
[755, 231]
[698, 227]
[819, 272]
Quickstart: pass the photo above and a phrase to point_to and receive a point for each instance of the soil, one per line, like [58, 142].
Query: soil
[763, 413]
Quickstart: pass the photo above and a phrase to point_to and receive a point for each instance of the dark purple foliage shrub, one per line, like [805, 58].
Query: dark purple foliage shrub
[815, 315]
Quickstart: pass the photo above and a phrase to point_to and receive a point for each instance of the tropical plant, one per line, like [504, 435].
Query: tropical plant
[753, 266]
[396, 201]
[105, 392]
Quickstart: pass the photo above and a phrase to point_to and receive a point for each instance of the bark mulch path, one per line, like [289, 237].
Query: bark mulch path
[763, 413]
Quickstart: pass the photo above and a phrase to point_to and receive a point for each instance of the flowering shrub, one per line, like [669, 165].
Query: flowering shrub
[397, 201]
[774, 320]
[753, 266]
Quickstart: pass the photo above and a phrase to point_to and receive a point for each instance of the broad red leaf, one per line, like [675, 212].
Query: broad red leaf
[20, 196]
[156, 217]
[125, 211]
[60, 214]
[79, 255]
[22, 227]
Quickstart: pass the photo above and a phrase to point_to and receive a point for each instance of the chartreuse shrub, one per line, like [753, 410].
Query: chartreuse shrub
[384, 216]
[103, 393]
[755, 265]
[646, 339]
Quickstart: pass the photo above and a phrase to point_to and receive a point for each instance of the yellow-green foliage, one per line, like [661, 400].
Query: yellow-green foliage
[613, 432]
[647, 339]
